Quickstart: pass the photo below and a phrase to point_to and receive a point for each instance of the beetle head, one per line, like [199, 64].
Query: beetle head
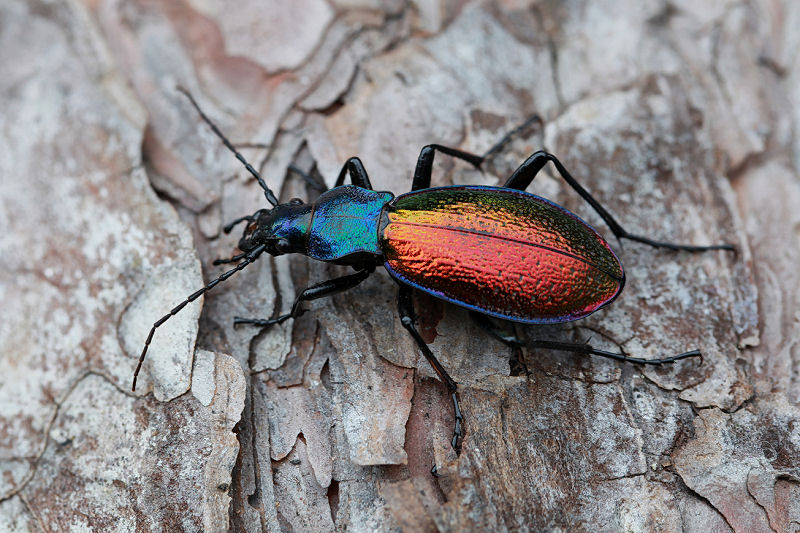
[282, 229]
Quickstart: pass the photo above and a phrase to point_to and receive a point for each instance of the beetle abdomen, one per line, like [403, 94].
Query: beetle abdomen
[502, 252]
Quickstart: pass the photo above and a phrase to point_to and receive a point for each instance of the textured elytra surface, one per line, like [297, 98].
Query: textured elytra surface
[510, 254]
[683, 125]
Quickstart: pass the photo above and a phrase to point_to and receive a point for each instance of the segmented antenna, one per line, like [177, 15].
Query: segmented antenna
[267, 192]
[251, 256]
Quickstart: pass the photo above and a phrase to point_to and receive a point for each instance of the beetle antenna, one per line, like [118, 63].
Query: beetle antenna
[267, 192]
[251, 256]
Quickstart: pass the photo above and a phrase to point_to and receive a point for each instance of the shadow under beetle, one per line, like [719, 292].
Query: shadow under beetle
[498, 251]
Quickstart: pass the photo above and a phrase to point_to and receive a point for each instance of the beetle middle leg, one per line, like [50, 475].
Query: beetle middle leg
[405, 306]
[320, 290]
[527, 171]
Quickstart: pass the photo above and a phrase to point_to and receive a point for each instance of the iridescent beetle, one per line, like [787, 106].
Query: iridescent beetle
[498, 251]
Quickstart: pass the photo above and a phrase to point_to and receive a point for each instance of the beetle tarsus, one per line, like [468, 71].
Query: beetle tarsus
[459, 420]
[677, 247]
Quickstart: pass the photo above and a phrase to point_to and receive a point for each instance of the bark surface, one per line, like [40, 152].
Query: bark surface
[680, 117]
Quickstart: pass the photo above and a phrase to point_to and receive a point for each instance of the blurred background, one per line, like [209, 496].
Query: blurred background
[680, 117]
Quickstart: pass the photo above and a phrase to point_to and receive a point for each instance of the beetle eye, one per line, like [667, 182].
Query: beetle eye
[295, 201]
[283, 246]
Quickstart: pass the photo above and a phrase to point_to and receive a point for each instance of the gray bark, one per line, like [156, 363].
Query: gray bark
[680, 117]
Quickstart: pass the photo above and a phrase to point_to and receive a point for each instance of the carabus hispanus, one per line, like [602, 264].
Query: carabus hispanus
[498, 251]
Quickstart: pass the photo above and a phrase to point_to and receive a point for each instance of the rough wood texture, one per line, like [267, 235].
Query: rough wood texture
[681, 117]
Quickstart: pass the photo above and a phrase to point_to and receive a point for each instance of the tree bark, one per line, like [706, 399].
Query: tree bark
[679, 117]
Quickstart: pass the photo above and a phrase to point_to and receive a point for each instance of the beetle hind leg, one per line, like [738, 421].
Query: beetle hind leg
[586, 349]
[527, 171]
[406, 308]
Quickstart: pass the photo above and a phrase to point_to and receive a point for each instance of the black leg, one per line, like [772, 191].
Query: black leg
[358, 174]
[523, 176]
[422, 174]
[320, 290]
[406, 308]
[586, 349]
[233, 223]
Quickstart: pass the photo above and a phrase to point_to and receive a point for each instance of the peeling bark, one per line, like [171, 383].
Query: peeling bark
[680, 117]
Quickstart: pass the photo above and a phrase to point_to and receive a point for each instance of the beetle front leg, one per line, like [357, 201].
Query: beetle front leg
[406, 308]
[358, 174]
[320, 290]
[527, 171]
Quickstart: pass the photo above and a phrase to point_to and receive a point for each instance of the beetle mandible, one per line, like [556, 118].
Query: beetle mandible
[498, 251]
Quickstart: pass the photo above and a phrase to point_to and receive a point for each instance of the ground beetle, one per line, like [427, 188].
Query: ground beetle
[498, 251]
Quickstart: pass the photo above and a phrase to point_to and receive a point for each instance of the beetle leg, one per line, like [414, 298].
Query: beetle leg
[230, 225]
[586, 349]
[523, 176]
[358, 174]
[422, 174]
[320, 290]
[576, 347]
[406, 308]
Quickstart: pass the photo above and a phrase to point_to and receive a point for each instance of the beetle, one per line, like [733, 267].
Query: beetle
[500, 252]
